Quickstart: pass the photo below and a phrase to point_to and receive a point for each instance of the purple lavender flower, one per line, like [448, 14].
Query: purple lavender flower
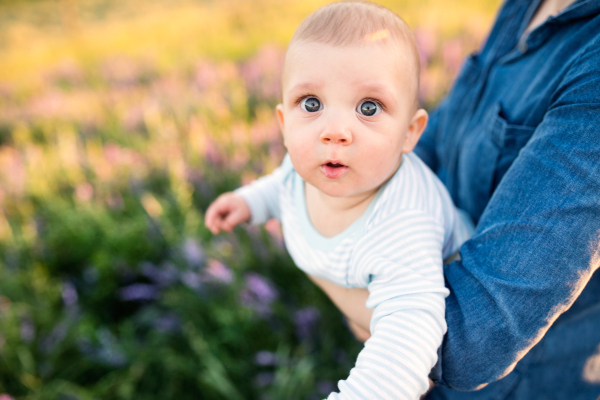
[138, 292]
[121, 72]
[266, 358]
[162, 276]
[426, 40]
[67, 72]
[326, 387]
[191, 279]
[217, 271]
[306, 322]
[193, 253]
[262, 73]
[258, 293]
[69, 294]
[263, 379]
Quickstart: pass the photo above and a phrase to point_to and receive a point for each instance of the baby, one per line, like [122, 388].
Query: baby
[358, 209]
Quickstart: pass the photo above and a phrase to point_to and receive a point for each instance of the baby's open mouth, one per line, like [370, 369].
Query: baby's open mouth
[333, 170]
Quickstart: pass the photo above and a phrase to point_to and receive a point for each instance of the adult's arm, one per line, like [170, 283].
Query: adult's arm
[537, 243]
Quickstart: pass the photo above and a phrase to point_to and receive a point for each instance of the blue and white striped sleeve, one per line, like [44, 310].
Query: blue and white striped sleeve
[262, 195]
[400, 261]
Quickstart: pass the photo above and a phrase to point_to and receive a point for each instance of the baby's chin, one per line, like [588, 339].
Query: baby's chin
[341, 190]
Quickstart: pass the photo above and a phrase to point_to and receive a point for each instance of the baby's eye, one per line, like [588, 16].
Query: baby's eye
[311, 104]
[368, 108]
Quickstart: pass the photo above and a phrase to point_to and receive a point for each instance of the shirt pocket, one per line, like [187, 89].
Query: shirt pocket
[509, 139]
[487, 155]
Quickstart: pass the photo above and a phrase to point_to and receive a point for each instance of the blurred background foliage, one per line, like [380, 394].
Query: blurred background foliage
[120, 120]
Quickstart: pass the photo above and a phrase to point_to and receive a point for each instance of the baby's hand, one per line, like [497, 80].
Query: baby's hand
[227, 211]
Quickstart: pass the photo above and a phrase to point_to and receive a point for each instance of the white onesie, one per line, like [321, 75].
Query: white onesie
[395, 250]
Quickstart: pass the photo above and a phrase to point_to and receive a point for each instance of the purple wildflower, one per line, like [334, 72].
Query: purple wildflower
[265, 358]
[121, 72]
[326, 387]
[193, 253]
[69, 294]
[258, 293]
[262, 73]
[263, 379]
[163, 276]
[452, 55]
[191, 279]
[138, 292]
[217, 271]
[306, 322]
[67, 72]
[426, 40]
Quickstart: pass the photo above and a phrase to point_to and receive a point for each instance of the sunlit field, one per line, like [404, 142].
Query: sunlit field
[120, 121]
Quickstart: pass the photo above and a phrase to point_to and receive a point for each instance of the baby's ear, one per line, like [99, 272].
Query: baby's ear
[415, 129]
[279, 111]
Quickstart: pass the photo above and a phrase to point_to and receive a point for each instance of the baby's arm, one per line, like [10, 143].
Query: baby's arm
[407, 297]
[255, 203]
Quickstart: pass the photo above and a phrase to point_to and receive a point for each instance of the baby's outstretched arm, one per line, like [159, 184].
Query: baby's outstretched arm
[227, 211]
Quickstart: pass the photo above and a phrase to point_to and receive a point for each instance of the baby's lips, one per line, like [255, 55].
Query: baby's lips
[334, 171]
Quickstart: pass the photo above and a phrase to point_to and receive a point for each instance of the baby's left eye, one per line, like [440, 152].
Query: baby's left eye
[368, 108]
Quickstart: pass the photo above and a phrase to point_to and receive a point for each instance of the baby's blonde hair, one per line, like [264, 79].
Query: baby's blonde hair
[359, 22]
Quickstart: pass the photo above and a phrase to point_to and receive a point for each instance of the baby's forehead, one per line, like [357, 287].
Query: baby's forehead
[398, 52]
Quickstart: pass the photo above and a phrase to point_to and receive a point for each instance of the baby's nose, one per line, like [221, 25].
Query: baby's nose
[337, 136]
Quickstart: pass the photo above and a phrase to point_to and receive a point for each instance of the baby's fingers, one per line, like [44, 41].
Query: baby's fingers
[226, 212]
[215, 215]
[234, 217]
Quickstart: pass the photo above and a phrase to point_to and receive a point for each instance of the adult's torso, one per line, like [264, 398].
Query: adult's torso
[501, 95]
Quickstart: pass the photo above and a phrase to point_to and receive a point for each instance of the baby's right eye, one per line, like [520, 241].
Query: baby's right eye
[311, 104]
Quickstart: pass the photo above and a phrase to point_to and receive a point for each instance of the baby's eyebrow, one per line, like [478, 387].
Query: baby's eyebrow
[375, 89]
[304, 86]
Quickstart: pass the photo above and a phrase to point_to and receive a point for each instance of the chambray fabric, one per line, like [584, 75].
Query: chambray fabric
[517, 143]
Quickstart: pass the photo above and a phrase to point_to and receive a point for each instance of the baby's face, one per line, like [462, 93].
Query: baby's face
[348, 115]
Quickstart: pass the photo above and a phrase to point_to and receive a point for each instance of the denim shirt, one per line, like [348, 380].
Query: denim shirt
[517, 143]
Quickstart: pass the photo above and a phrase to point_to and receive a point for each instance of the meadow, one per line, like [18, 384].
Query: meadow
[120, 121]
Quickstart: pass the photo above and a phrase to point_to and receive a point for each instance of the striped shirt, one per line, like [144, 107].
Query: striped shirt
[395, 250]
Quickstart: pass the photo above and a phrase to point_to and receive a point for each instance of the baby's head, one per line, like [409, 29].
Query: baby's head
[350, 107]
[356, 24]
